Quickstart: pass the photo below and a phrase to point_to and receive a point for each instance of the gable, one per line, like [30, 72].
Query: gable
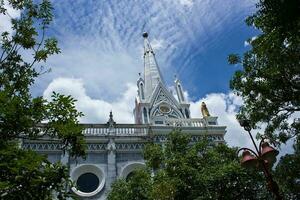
[162, 99]
[161, 94]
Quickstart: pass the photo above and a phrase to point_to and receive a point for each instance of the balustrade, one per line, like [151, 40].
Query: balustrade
[98, 131]
[186, 122]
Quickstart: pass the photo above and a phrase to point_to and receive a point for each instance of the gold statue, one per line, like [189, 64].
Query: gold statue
[204, 110]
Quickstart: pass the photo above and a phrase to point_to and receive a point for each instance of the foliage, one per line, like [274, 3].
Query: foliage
[137, 187]
[198, 171]
[24, 174]
[153, 155]
[233, 59]
[121, 190]
[270, 79]
[270, 82]
[287, 174]
[27, 175]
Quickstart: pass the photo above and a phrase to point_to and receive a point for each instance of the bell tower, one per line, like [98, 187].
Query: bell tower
[155, 104]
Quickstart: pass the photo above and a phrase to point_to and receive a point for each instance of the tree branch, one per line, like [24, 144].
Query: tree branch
[39, 45]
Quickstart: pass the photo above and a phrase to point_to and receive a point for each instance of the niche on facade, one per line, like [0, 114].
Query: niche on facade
[89, 180]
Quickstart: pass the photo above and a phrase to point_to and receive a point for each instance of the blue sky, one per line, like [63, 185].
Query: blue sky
[101, 55]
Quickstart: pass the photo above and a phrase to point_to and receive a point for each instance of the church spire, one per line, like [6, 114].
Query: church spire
[152, 72]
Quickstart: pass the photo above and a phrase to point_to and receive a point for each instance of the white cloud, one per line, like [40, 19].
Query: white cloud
[157, 44]
[187, 3]
[247, 43]
[95, 110]
[224, 106]
[5, 20]
[105, 73]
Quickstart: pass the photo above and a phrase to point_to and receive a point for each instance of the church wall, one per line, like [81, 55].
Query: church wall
[53, 157]
[92, 158]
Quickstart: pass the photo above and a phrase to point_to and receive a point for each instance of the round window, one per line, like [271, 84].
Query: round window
[164, 108]
[87, 182]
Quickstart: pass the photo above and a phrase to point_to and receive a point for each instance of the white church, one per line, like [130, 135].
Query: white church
[115, 150]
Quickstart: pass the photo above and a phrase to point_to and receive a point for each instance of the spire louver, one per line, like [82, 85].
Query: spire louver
[151, 69]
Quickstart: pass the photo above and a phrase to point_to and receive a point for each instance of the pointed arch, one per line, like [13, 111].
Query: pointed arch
[180, 93]
[187, 113]
[142, 93]
[145, 114]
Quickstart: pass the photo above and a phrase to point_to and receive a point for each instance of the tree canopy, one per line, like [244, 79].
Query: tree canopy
[287, 173]
[181, 170]
[269, 80]
[23, 173]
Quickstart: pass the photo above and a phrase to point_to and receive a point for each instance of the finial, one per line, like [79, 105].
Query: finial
[145, 34]
[204, 110]
[111, 121]
[176, 80]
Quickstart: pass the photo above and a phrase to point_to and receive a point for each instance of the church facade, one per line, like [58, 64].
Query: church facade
[115, 150]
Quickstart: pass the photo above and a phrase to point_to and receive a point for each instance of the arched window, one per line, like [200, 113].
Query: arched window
[142, 91]
[145, 116]
[187, 113]
[180, 93]
[181, 111]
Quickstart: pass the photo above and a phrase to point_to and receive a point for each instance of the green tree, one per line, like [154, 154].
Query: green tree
[138, 187]
[269, 80]
[287, 173]
[24, 174]
[180, 170]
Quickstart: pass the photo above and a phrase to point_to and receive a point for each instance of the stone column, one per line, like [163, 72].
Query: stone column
[111, 153]
[111, 163]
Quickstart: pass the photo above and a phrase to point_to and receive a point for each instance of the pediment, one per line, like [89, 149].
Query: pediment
[161, 94]
[160, 98]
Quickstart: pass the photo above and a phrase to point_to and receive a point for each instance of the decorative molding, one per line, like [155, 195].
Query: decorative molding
[118, 146]
[96, 146]
[130, 146]
[42, 146]
[58, 147]
[162, 93]
[160, 138]
[194, 138]
[120, 131]
[185, 122]
[162, 98]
